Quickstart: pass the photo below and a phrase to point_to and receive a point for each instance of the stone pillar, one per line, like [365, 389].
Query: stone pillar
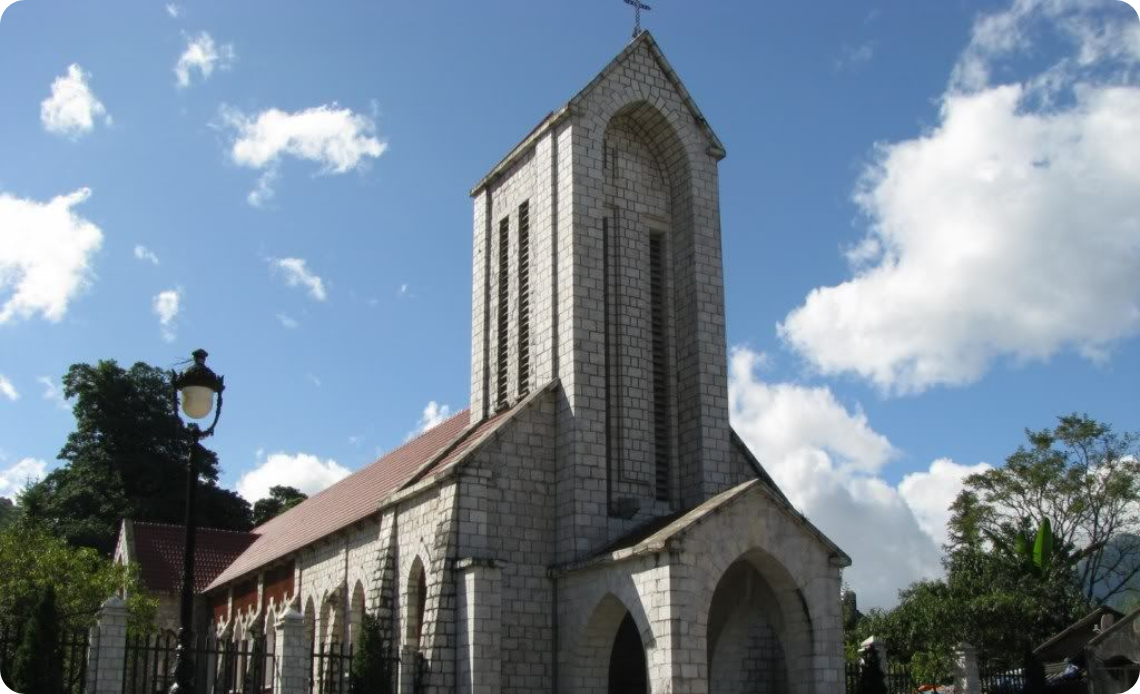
[966, 677]
[409, 662]
[480, 624]
[108, 651]
[291, 664]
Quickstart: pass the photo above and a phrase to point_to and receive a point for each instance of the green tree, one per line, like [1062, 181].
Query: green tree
[372, 666]
[35, 560]
[8, 512]
[36, 664]
[126, 458]
[280, 500]
[1079, 477]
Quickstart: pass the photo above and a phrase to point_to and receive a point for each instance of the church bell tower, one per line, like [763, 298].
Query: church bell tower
[597, 267]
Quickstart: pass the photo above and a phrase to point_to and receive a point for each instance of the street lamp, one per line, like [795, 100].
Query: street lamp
[196, 387]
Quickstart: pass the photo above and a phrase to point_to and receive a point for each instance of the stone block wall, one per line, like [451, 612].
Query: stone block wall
[506, 516]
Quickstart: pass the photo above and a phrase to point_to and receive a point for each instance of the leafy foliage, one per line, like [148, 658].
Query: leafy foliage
[1033, 546]
[8, 512]
[81, 578]
[1079, 479]
[280, 500]
[126, 458]
[35, 665]
[372, 666]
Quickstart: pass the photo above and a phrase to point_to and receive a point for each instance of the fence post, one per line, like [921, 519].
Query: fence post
[966, 677]
[107, 652]
[292, 654]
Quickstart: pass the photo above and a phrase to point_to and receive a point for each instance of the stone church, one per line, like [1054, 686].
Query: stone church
[592, 523]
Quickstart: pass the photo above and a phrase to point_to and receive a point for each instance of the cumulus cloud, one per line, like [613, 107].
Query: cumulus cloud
[930, 493]
[15, 477]
[296, 274]
[166, 306]
[433, 415]
[1009, 231]
[204, 56]
[302, 470]
[173, 10]
[72, 109]
[335, 138]
[7, 389]
[45, 255]
[827, 459]
[287, 321]
[145, 254]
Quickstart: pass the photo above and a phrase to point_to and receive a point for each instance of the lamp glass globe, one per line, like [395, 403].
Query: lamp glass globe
[197, 401]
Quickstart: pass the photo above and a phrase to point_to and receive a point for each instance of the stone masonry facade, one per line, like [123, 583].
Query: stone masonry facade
[610, 485]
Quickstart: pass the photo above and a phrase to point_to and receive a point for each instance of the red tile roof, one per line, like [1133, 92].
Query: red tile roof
[359, 495]
[158, 550]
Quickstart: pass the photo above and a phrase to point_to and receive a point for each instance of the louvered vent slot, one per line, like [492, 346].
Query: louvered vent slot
[660, 364]
[504, 299]
[524, 298]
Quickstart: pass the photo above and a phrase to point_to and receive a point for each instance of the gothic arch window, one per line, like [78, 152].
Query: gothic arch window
[645, 194]
[356, 613]
[416, 605]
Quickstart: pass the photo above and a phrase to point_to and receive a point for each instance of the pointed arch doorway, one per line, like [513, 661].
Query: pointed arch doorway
[629, 673]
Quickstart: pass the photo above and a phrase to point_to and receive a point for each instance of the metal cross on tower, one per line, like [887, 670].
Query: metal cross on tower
[638, 6]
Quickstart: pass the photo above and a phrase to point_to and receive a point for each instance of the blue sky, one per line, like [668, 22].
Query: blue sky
[929, 216]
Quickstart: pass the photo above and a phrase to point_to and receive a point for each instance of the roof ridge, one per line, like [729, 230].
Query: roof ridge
[197, 529]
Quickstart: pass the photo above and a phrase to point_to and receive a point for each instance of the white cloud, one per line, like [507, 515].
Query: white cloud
[145, 254]
[403, 290]
[45, 255]
[173, 10]
[433, 415]
[827, 459]
[7, 389]
[203, 55]
[72, 109]
[1096, 29]
[303, 471]
[853, 57]
[263, 192]
[930, 493]
[53, 392]
[337, 139]
[166, 306]
[287, 321]
[313, 379]
[1008, 231]
[296, 274]
[15, 477]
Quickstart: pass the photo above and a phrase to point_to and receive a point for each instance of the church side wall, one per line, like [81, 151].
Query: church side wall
[330, 569]
[426, 531]
[506, 514]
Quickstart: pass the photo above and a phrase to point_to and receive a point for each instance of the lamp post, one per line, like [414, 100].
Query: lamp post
[196, 387]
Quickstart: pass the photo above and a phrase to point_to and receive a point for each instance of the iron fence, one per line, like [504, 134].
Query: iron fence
[330, 669]
[896, 678]
[220, 667]
[1001, 678]
[69, 658]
